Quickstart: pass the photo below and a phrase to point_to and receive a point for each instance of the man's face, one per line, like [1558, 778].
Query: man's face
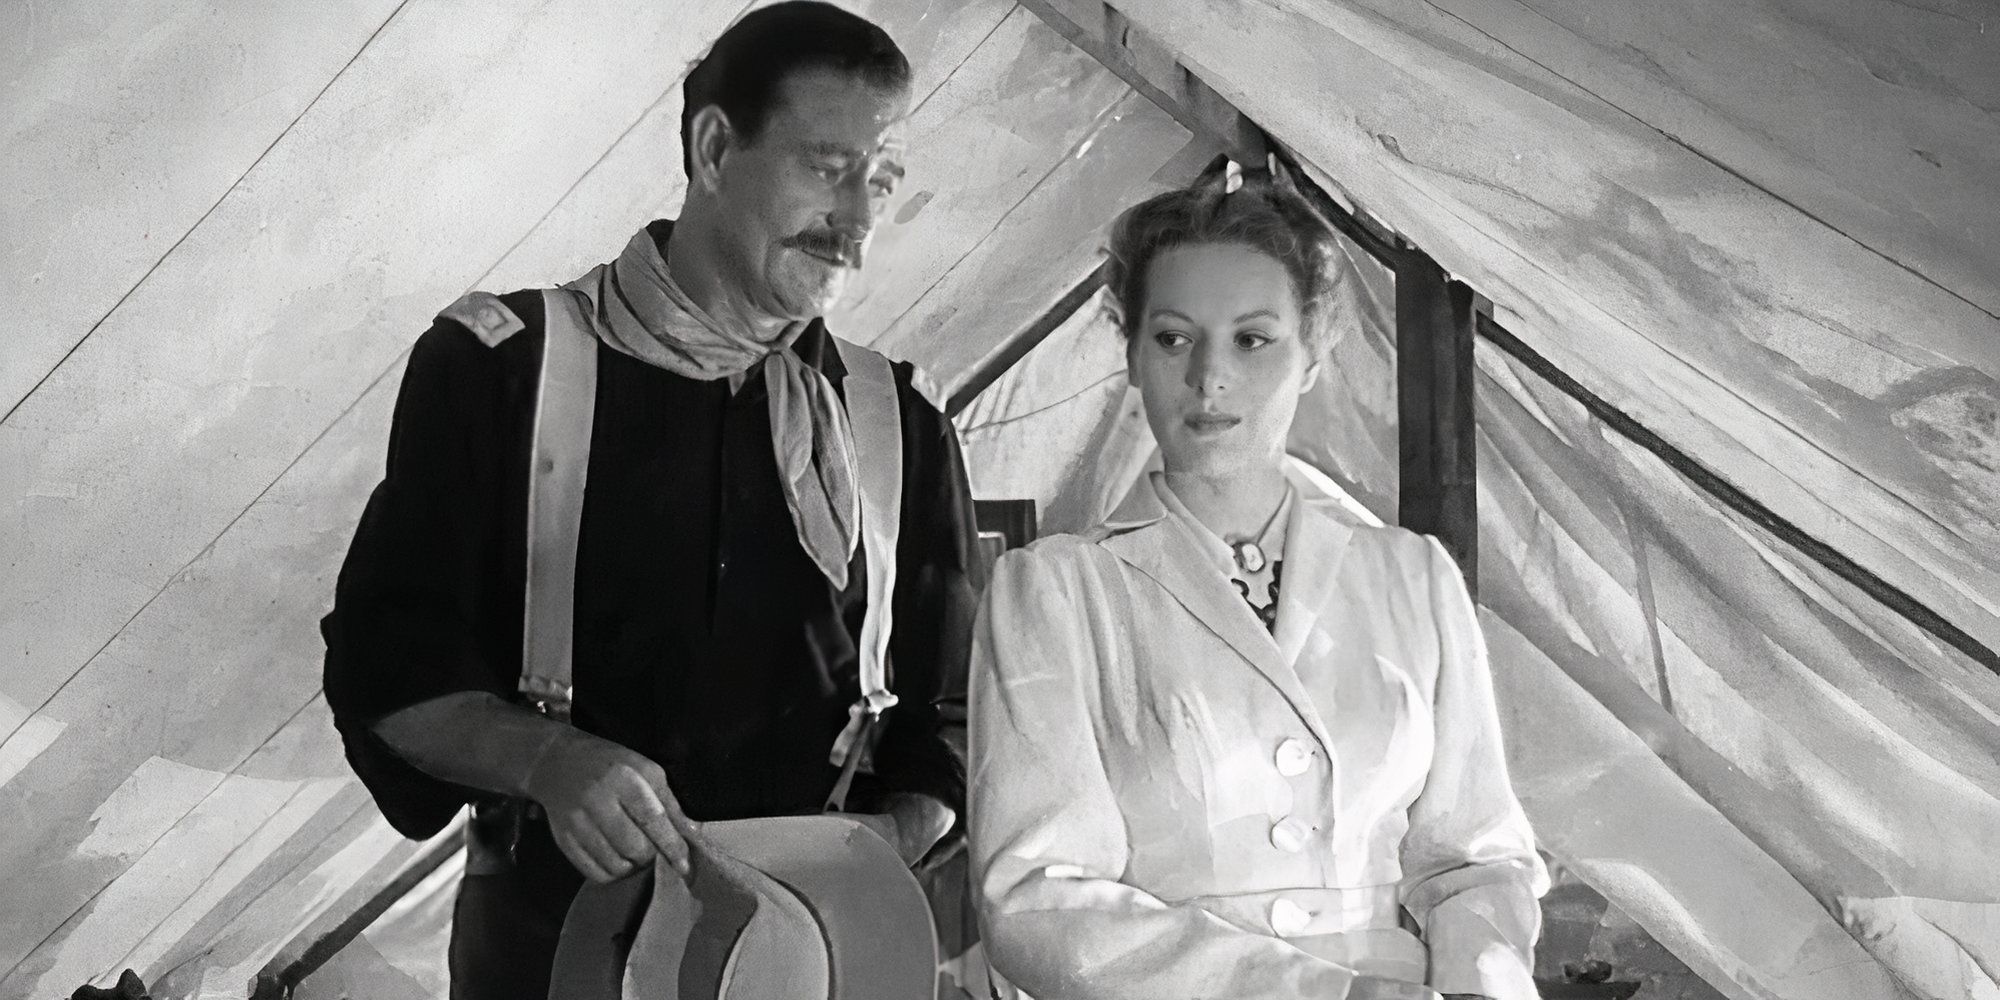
[799, 203]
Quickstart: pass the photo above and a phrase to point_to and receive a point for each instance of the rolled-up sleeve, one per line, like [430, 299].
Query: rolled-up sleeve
[1471, 875]
[1048, 839]
[421, 577]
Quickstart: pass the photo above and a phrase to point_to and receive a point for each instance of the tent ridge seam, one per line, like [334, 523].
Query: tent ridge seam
[198, 222]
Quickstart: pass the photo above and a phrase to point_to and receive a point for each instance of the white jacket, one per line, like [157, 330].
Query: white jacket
[1167, 801]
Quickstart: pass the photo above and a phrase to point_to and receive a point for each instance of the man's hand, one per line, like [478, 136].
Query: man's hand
[609, 807]
[911, 823]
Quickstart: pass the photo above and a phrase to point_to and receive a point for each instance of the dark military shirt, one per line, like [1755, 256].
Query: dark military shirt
[705, 637]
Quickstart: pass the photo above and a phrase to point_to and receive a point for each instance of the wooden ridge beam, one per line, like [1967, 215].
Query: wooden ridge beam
[1153, 70]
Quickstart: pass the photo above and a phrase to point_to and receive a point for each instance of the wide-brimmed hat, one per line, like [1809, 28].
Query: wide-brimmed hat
[785, 908]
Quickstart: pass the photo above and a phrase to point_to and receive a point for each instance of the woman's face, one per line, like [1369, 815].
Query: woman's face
[1220, 358]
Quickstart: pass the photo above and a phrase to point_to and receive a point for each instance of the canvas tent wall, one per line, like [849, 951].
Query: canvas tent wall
[1764, 230]
[221, 265]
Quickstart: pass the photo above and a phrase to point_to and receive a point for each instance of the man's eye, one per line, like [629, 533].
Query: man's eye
[883, 188]
[825, 172]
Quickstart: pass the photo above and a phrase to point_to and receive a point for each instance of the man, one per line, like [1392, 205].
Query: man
[719, 587]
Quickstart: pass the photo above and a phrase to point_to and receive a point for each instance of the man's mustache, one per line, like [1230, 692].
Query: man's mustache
[828, 244]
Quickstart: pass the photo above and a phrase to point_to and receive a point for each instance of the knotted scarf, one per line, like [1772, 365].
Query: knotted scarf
[637, 309]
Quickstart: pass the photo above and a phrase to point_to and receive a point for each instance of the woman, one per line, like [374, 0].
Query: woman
[1230, 743]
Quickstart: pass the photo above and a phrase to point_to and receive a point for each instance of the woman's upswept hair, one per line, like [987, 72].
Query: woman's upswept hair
[1266, 214]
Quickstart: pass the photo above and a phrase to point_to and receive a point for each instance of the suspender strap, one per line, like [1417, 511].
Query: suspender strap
[565, 408]
[875, 416]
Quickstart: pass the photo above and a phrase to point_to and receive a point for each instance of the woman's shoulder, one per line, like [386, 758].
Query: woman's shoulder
[1366, 531]
[1387, 550]
[1054, 554]
[1056, 567]
[1396, 541]
[1045, 591]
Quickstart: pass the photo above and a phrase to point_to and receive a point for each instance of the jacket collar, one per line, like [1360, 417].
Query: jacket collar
[1175, 554]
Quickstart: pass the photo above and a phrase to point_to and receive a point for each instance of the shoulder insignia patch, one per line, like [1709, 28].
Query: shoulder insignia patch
[486, 316]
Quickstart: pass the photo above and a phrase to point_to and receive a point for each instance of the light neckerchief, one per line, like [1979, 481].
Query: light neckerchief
[637, 309]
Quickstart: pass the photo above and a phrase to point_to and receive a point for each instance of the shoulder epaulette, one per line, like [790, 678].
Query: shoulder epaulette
[486, 316]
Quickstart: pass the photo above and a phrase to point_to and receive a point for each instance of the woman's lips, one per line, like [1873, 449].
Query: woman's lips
[1210, 423]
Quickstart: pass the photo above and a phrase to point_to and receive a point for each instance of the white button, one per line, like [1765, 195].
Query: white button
[1289, 835]
[1294, 757]
[1289, 918]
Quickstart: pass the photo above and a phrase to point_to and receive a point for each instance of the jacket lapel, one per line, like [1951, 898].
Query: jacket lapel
[1316, 537]
[1167, 551]
[1315, 541]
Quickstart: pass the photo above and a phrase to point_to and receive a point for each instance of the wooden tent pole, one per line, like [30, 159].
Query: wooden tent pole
[1438, 486]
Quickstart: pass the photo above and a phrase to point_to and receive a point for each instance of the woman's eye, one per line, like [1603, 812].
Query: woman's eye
[1251, 340]
[883, 189]
[1169, 339]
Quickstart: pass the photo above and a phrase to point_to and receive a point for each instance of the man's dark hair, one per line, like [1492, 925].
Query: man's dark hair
[743, 70]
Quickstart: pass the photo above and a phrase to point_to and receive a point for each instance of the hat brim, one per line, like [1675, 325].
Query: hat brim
[877, 921]
[597, 937]
[872, 913]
